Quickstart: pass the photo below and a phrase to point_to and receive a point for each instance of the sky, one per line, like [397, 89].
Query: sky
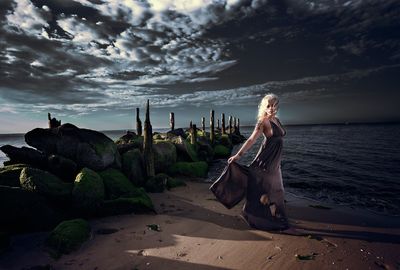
[93, 62]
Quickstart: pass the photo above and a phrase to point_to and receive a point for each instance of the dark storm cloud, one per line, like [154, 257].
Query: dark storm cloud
[66, 55]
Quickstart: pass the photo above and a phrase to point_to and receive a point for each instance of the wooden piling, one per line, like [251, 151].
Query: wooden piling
[191, 125]
[53, 122]
[238, 125]
[230, 124]
[203, 125]
[223, 123]
[218, 128]
[138, 123]
[193, 135]
[172, 120]
[148, 144]
[212, 134]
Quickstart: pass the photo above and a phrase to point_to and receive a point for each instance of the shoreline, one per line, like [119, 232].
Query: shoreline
[198, 232]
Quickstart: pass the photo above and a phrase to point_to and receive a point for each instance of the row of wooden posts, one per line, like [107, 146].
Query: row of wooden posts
[148, 153]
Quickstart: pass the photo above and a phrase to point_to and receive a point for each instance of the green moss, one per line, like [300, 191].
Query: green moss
[196, 169]
[132, 167]
[44, 183]
[104, 147]
[157, 183]
[221, 151]
[68, 236]
[88, 191]
[137, 205]
[164, 155]
[225, 140]
[173, 182]
[117, 184]
[9, 175]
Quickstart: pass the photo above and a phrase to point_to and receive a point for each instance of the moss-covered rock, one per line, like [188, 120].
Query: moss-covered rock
[195, 169]
[9, 175]
[185, 150]
[157, 183]
[44, 183]
[221, 151]
[25, 211]
[133, 167]
[88, 192]
[62, 167]
[174, 182]
[68, 236]
[137, 205]
[164, 155]
[224, 140]
[117, 185]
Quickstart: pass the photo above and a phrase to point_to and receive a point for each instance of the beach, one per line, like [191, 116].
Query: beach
[197, 232]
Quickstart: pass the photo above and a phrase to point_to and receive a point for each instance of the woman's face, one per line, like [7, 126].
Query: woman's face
[272, 107]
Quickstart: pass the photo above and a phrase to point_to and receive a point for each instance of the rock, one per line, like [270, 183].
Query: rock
[173, 182]
[25, 211]
[123, 148]
[137, 205]
[177, 132]
[205, 150]
[194, 169]
[88, 148]
[221, 151]
[224, 140]
[164, 155]
[127, 138]
[45, 184]
[117, 185]
[133, 167]
[24, 155]
[88, 192]
[9, 175]
[68, 236]
[157, 183]
[62, 167]
[184, 149]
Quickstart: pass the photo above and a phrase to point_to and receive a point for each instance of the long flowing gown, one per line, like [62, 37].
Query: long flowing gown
[260, 182]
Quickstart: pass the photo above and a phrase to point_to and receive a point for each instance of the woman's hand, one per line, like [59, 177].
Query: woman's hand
[233, 158]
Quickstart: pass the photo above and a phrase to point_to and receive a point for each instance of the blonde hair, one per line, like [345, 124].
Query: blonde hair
[262, 107]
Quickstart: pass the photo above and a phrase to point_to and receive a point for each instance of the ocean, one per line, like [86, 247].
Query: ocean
[356, 165]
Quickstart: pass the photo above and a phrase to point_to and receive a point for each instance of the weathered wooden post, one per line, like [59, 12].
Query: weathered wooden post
[191, 125]
[148, 144]
[138, 123]
[193, 135]
[218, 128]
[203, 125]
[223, 124]
[53, 123]
[238, 125]
[234, 124]
[172, 120]
[212, 135]
[230, 124]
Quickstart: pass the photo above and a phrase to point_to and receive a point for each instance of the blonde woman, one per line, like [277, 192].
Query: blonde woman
[261, 181]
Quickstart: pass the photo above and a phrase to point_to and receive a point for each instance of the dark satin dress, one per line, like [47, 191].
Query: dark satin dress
[260, 183]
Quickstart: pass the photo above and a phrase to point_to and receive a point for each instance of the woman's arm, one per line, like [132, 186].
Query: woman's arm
[249, 142]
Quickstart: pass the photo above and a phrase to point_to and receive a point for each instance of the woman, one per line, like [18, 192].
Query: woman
[264, 208]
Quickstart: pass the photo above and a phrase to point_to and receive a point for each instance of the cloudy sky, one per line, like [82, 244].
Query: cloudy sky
[92, 62]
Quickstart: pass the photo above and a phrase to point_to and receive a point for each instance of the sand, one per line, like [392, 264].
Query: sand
[197, 232]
